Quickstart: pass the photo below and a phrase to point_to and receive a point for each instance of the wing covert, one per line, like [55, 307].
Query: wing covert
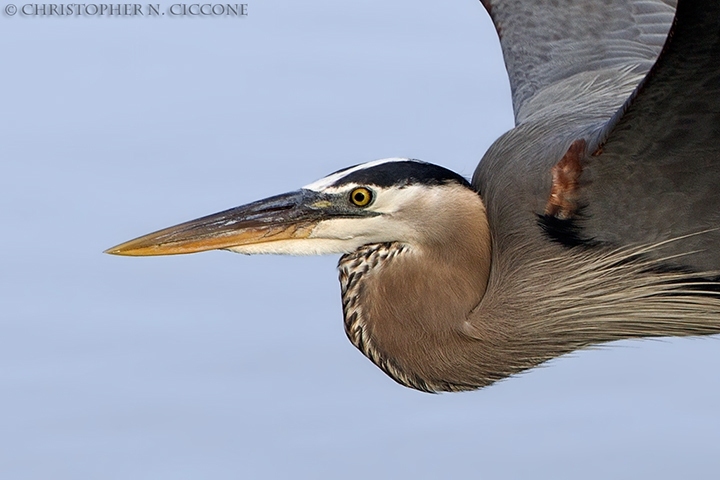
[656, 175]
[553, 46]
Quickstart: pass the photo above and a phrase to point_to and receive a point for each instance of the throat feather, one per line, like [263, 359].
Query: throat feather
[353, 269]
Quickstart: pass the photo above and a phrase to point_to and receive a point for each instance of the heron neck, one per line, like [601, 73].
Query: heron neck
[405, 305]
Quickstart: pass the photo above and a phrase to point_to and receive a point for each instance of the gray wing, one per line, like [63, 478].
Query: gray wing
[557, 45]
[655, 173]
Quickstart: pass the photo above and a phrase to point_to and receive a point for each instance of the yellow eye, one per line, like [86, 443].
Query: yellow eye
[361, 196]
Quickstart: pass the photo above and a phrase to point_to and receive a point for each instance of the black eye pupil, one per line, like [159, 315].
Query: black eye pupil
[359, 197]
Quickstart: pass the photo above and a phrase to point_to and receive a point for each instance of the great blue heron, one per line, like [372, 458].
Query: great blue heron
[596, 218]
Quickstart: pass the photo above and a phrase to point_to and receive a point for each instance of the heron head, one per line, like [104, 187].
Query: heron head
[390, 200]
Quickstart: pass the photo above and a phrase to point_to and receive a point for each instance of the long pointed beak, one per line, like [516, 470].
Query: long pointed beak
[291, 215]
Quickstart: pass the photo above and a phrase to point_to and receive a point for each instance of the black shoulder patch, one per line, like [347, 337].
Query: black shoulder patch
[564, 231]
[401, 174]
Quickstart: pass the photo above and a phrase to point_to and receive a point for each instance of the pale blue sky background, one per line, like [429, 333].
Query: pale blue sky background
[220, 366]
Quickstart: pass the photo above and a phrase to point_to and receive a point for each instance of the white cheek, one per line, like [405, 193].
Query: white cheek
[393, 200]
[305, 246]
[362, 231]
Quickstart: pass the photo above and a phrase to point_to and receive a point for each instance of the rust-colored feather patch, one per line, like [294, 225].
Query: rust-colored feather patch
[562, 203]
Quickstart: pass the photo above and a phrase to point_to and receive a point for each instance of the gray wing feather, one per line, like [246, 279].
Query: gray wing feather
[551, 44]
[658, 176]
